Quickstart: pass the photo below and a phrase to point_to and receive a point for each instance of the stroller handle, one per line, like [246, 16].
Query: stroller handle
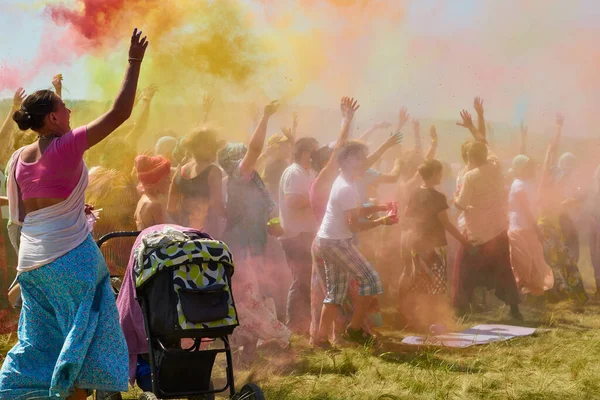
[113, 235]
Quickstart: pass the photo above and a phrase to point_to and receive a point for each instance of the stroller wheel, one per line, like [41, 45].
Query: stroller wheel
[148, 396]
[250, 391]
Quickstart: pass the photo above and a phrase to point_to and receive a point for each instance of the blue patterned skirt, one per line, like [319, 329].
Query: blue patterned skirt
[69, 332]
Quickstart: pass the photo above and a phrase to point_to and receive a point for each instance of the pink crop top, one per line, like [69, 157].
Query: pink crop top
[58, 170]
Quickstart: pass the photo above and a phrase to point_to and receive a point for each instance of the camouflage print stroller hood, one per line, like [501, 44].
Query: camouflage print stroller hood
[195, 272]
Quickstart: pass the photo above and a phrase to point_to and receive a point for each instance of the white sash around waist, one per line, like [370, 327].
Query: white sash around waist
[52, 232]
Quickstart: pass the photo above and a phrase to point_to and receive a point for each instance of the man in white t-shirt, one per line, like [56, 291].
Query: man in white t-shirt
[334, 244]
[299, 226]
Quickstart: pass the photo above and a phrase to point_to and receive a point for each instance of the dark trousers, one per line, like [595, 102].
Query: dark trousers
[299, 259]
[489, 267]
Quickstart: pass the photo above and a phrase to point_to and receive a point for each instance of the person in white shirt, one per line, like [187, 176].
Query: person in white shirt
[342, 259]
[299, 226]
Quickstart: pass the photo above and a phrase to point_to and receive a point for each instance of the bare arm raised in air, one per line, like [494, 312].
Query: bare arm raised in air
[434, 144]
[478, 105]
[417, 132]
[403, 117]
[390, 142]
[257, 141]
[467, 122]
[141, 123]
[123, 105]
[364, 137]
[57, 83]
[329, 172]
[7, 132]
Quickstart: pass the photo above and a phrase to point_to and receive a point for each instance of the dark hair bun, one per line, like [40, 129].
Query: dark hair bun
[23, 119]
[33, 112]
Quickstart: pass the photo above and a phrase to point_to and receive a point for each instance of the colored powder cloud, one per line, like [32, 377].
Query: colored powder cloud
[432, 55]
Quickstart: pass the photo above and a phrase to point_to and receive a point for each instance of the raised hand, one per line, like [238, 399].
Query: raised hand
[149, 92]
[403, 117]
[57, 82]
[19, 97]
[433, 134]
[344, 105]
[478, 104]
[287, 132]
[349, 106]
[467, 121]
[560, 120]
[138, 46]
[394, 139]
[271, 108]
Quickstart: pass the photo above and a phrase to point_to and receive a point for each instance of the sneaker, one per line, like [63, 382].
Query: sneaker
[358, 336]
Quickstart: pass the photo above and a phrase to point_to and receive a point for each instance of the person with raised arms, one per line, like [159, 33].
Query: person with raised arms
[70, 340]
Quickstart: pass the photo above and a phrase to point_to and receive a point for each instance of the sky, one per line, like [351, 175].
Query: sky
[527, 58]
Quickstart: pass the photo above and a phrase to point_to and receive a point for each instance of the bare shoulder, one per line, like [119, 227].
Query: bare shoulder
[30, 153]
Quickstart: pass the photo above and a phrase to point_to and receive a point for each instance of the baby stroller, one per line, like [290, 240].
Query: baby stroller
[184, 291]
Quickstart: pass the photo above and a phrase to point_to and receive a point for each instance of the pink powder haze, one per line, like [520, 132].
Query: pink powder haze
[527, 58]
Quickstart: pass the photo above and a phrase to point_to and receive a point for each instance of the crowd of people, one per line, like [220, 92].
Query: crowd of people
[343, 223]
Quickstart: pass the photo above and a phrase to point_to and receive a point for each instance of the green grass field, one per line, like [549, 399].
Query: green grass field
[560, 364]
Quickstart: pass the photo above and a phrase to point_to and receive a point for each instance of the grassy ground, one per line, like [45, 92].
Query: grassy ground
[560, 364]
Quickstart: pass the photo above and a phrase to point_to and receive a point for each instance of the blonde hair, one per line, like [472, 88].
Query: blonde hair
[202, 142]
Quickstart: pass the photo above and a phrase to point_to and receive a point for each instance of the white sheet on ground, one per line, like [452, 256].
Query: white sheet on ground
[480, 334]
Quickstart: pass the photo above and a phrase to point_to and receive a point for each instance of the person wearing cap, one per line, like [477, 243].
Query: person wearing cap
[153, 174]
[532, 273]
